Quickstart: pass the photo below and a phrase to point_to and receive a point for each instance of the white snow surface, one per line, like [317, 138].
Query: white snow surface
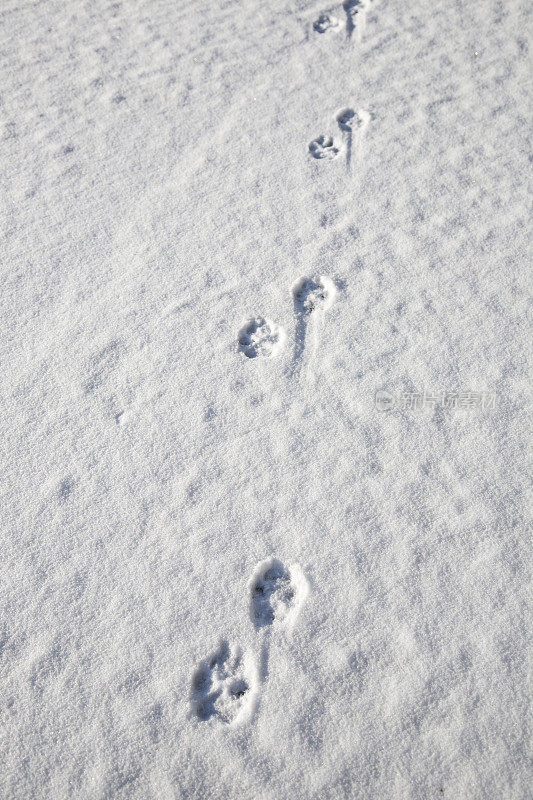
[241, 577]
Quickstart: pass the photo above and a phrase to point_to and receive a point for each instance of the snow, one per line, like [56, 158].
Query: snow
[303, 573]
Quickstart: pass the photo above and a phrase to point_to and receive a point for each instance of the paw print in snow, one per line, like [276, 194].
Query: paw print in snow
[261, 337]
[349, 119]
[310, 294]
[345, 118]
[223, 686]
[356, 11]
[323, 147]
[276, 593]
[325, 22]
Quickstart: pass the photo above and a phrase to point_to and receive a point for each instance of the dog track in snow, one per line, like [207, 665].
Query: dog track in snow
[351, 119]
[352, 124]
[312, 297]
[261, 337]
[326, 22]
[345, 117]
[355, 11]
[313, 294]
[323, 147]
[276, 594]
[224, 686]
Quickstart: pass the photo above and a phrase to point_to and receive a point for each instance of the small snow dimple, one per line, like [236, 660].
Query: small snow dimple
[10, 130]
[66, 487]
[102, 366]
[323, 147]
[121, 418]
[49, 666]
[276, 593]
[261, 337]
[222, 686]
[154, 721]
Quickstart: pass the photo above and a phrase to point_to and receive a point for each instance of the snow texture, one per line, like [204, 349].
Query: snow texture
[264, 337]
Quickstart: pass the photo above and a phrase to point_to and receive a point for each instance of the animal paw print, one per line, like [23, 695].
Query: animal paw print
[312, 294]
[354, 10]
[349, 119]
[346, 118]
[353, 124]
[276, 593]
[325, 22]
[223, 687]
[261, 337]
[323, 147]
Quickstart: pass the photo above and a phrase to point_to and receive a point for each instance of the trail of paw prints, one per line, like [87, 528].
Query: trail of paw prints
[352, 125]
[224, 687]
[312, 297]
[261, 338]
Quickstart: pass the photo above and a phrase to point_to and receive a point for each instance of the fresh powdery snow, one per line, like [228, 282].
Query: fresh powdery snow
[264, 352]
